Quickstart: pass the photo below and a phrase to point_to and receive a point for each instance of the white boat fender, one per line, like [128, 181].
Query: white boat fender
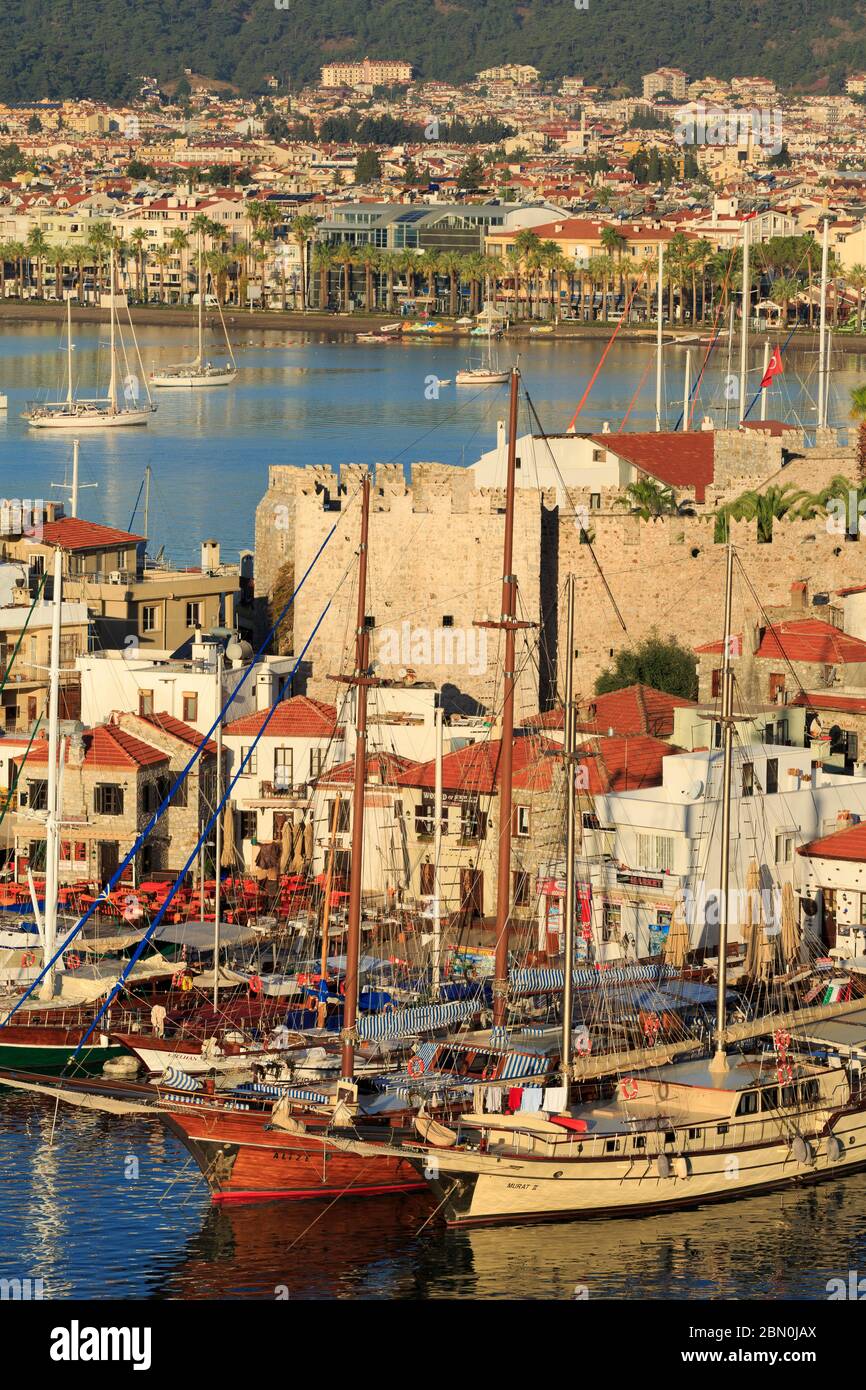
[834, 1148]
[663, 1166]
[801, 1151]
[682, 1167]
[439, 1136]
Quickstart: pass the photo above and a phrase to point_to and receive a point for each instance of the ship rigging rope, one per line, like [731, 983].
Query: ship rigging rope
[285, 687]
[181, 778]
[625, 313]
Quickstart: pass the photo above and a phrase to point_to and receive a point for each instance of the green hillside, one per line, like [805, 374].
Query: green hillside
[98, 48]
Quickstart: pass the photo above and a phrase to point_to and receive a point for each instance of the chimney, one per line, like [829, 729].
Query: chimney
[76, 746]
[210, 556]
[799, 594]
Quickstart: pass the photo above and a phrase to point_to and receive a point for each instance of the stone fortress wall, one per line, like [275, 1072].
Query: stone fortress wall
[435, 565]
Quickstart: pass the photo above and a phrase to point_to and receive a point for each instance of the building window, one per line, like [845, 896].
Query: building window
[145, 703]
[656, 852]
[748, 779]
[248, 825]
[317, 758]
[150, 618]
[252, 766]
[611, 922]
[38, 795]
[149, 798]
[784, 846]
[520, 887]
[282, 767]
[772, 775]
[595, 501]
[193, 614]
[425, 820]
[190, 707]
[108, 799]
[716, 683]
[343, 816]
[777, 688]
[473, 822]
[521, 822]
[80, 852]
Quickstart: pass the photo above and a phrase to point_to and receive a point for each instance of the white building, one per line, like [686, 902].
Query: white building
[155, 682]
[662, 839]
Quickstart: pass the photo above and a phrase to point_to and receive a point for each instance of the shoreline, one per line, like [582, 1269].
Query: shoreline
[349, 325]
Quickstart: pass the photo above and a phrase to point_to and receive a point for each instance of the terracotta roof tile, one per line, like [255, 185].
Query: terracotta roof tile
[680, 460]
[298, 717]
[847, 844]
[72, 533]
[804, 639]
[106, 746]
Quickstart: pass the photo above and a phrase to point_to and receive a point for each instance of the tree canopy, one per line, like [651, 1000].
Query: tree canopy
[660, 662]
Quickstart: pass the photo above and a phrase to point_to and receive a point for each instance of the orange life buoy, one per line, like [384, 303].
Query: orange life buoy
[629, 1087]
[28, 958]
[784, 1073]
[73, 960]
[255, 984]
[415, 1067]
[584, 1045]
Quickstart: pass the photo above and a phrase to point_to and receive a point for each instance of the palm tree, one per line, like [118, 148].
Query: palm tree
[38, 250]
[429, 265]
[344, 256]
[61, 255]
[99, 245]
[647, 498]
[369, 257]
[138, 241]
[773, 504]
[179, 243]
[451, 263]
[858, 412]
[218, 264]
[856, 278]
[323, 260]
[301, 229]
[163, 257]
[783, 289]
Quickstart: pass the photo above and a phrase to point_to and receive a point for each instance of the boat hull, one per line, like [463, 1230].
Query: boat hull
[88, 422]
[488, 1189]
[51, 1056]
[192, 383]
[243, 1159]
[481, 378]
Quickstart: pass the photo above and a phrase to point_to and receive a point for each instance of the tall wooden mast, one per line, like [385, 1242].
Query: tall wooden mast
[361, 681]
[509, 625]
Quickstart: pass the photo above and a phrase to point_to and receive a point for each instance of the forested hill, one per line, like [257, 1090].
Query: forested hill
[99, 48]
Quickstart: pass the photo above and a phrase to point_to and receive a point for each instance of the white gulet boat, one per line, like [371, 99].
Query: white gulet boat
[102, 412]
[487, 373]
[188, 375]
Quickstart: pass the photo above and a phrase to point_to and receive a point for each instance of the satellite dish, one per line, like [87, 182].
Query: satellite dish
[694, 789]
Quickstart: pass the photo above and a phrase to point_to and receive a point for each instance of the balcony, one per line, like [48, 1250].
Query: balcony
[283, 791]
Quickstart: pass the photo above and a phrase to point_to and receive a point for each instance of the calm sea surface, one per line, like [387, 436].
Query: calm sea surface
[320, 398]
[112, 1207]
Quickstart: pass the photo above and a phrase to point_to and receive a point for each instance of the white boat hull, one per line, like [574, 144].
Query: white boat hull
[87, 420]
[481, 378]
[192, 381]
[486, 1189]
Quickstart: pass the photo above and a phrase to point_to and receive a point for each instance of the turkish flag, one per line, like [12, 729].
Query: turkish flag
[774, 368]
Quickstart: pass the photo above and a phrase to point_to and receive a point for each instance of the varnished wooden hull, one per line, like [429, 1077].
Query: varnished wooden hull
[244, 1160]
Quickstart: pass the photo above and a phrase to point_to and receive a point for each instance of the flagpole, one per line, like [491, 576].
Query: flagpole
[763, 378]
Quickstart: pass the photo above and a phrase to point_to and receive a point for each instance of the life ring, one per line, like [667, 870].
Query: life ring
[388, 1008]
[73, 960]
[186, 983]
[584, 1045]
[255, 984]
[28, 958]
[415, 1066]
[784, 1073]
[629, 1087]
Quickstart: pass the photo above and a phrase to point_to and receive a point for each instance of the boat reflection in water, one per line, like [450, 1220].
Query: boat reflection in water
[781, 1247]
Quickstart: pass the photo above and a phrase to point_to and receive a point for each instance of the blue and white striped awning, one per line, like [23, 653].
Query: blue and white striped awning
[177, 1080]
[519, 1064]
[404, 1022]
[537, 980]
[427, 1051]
[266, 1088]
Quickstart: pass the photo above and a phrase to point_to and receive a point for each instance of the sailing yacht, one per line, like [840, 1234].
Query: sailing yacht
[487, 373]
[102, 412]
[199, 372]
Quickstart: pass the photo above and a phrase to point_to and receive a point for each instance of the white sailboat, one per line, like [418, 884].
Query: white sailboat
[487, 373]
[101, 412]
[199, 372]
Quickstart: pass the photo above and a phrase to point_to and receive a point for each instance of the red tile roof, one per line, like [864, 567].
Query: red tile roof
[386, 768]
[680, 460]
[845, 704]
[804, 639]
[847, 844]
[176, 727]
[298, 717]
[477, 767]
[71, 533]
[106, 746]
[624, 764]
[636, 709]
